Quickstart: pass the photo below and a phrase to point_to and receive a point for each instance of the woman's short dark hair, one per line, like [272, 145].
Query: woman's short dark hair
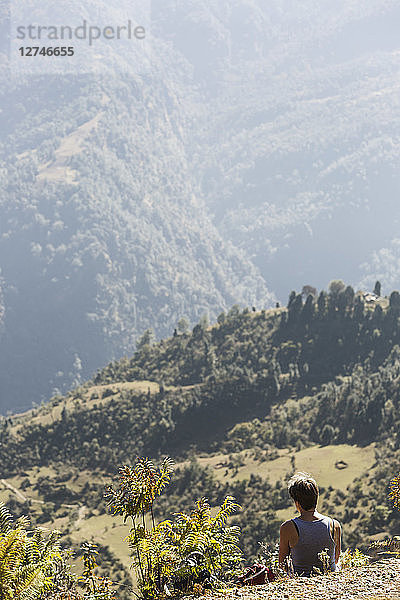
[304, 490]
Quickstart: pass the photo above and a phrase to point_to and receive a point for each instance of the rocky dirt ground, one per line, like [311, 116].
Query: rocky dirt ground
[377, 581]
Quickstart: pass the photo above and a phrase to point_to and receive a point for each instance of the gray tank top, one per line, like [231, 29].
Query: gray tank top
[314, 536]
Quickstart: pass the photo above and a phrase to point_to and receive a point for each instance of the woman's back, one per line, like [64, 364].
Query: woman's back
[314, 537]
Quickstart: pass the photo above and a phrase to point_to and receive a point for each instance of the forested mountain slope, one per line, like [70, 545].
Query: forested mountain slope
[258, 147]
[102, 232]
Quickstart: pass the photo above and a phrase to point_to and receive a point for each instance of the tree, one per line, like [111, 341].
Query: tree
[64, 414]
[183, 325]
[292, 298]
[378, 314]
[295, 307]
[233, 312]
[349, 296]
[394, 300]
[308, 309]
[336, 287]
[327, 434]
[308, 290]
[377, 288]
[358, 308]
[147, 339]
[322, 302]
[221, 318]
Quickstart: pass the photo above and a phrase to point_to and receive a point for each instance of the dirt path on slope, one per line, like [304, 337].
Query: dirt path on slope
[24, 498]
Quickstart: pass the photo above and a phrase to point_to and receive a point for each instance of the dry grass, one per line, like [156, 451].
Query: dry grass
[318, 460]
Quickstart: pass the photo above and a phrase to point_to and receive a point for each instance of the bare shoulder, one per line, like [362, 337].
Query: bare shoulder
[287, 525]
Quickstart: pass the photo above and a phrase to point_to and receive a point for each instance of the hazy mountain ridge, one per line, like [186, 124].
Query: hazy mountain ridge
[320, 157]
[258, 146]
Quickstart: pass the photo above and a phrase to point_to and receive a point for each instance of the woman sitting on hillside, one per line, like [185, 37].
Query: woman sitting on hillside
[305, 536]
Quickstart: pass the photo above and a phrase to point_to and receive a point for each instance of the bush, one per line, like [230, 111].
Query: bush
[33, 566]
[352, 558]
[28, 563]
[192, 551]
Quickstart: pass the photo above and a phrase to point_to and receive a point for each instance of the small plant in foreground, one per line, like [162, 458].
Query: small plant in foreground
[389, 546]
[325, 560]
[394, 491]
[96, 587]
[270, 557]
[33, 566]
[352, 558]
[186, 554]
[28, 562]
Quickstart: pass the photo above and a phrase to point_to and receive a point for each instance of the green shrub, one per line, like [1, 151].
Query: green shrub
[195, 549]
[33, 566]
[394, 491]
[28, 562]
[353, 558]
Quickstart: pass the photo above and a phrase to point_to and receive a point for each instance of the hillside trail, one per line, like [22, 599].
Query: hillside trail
[24, 498]
[81, 515]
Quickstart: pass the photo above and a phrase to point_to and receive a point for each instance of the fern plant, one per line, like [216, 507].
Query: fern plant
[174, 555]
[34, 567]
[28, 562]
[195, 548]
[394, 491]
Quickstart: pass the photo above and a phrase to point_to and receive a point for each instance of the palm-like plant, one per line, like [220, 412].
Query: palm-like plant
[139, 486]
